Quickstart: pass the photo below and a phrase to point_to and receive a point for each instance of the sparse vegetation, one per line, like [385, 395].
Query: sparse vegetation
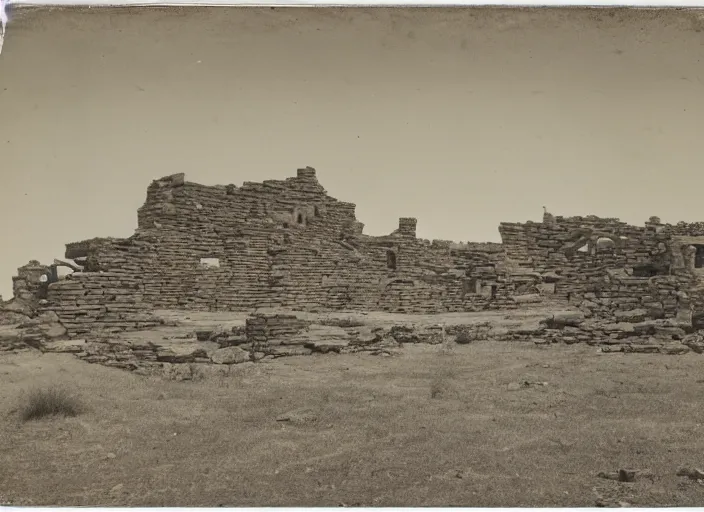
[378, 424]
[50, 401]
[463, 338]
[437, 386]
[195, 372]
[441, 382]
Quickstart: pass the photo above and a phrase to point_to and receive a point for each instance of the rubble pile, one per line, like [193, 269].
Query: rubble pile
[633, 333]
[288, 245]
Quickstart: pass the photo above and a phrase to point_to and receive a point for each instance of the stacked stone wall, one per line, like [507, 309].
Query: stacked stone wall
[288, 244]
[603, 278]
[100, 301]
[27, 285]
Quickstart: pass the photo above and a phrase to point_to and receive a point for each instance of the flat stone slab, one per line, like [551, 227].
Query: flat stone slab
[184, 352]
[66, 346]
[230, 355]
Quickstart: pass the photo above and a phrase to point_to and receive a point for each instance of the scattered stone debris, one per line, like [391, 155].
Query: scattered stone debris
[269, 336]
[606, 503]
[564, 319]
[624, 289]
[385, 352]
[299, 416]
[515, 386]
[622, 475]
[691, 473]
[230, 355]
[695, 342]
[627, 475]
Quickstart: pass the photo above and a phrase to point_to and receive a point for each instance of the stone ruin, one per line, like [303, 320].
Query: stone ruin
[287, 244]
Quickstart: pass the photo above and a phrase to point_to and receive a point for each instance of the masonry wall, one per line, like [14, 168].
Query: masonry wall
[287, 243]
[27, 285]
[105, 301]
[606, 266]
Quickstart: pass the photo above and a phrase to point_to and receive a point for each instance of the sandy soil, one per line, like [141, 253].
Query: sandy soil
[427, 427]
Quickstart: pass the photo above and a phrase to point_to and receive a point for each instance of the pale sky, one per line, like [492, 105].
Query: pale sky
[461, 118]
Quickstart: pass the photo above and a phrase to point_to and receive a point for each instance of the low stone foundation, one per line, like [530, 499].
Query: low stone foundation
[100, 301]
[268, 336]
[635, 333]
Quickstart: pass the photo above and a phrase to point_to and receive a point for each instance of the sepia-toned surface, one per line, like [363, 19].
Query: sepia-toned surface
[420, 428]
[287, 244]
[461, 118]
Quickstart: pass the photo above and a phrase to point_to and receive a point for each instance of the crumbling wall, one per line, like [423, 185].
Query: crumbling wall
[276, 335]
[100, 301]
[287, 243]
[111, 294]
[29, 288]
[606, 266]
[30, 284]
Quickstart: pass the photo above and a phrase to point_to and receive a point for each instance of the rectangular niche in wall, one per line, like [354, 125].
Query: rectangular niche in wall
[210, 262]
[391, 260]
[546, 288]
[699, 256]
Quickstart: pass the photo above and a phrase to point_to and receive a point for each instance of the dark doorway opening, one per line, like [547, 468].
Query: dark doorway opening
[699, 256]
[649, 270]
[698, 320]
[391, 260]
[493, 291]
[299, 219]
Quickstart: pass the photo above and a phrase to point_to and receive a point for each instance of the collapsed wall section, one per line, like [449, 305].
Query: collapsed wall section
[29, 285]
[111, 294]
[607, 267]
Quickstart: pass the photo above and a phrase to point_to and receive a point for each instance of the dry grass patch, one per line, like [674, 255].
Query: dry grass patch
[360, 429]
[444, 371]
[52, 401]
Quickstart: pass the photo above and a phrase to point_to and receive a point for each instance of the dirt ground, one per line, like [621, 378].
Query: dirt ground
[428, 427]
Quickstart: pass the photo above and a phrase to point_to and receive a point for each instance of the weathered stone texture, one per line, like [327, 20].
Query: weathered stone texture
[101, 301]
[619, 267]
[288, 244]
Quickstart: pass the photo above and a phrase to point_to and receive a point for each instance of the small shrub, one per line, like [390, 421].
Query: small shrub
[442, 383]
[194, 372]
[437, 388]
[49, 402]
[442, 386]
[464, 338]
[447, 349]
